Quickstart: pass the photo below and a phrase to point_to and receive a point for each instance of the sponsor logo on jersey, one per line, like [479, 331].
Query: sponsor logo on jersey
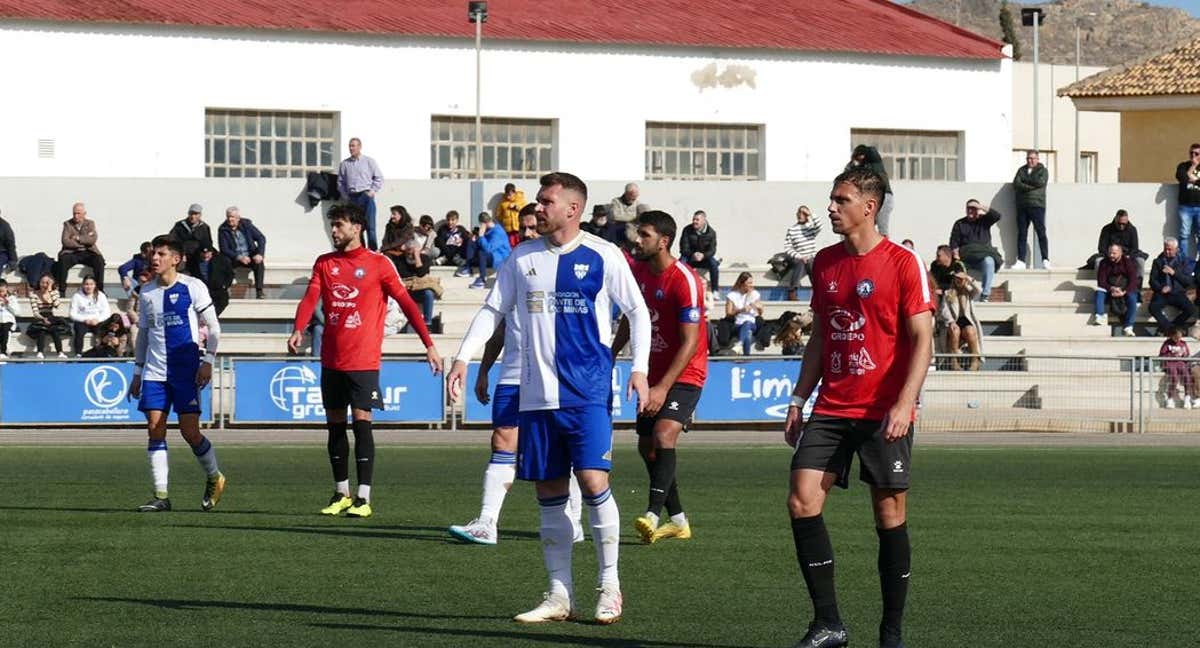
[105, 386]
[354, 321]
[343, 292]
[335, 271]
[831, 287]
[846, 325]
[581, 270]
[359, 273]
[334, 318]
[861, 362]
[835, 362]
[865, 288]
[532, 272]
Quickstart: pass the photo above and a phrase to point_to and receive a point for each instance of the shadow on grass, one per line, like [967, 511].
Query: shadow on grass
[512, 635]
[382, 533]
[133, 511]
[182, 604]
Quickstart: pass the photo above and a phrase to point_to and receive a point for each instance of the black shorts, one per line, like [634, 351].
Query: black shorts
[357, 389]
[828, 443]
[679, 406]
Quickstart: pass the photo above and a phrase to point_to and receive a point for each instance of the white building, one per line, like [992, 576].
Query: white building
[662, 90]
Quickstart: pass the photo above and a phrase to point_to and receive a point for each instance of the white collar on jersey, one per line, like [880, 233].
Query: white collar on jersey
[565, 249]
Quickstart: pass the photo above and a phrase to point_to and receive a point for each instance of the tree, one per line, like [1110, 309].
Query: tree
[1010, 32]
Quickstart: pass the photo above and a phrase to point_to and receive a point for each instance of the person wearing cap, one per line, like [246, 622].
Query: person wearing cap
[215, 270]
[603, 226]
[359, 179]
[192, 232]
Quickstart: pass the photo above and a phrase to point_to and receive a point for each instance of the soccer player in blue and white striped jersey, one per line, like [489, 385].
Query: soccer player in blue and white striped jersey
[170, 371]
[561, 289]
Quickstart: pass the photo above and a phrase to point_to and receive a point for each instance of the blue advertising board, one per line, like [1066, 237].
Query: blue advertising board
[286, 391]
[73, 393]
[736, 390]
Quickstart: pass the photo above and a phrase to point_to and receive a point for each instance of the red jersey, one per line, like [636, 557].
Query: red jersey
[864, 303]
[673, 297]
[353, 288]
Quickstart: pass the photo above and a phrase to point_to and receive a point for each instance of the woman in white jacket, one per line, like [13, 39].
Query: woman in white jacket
[89, 307]
[10, 307]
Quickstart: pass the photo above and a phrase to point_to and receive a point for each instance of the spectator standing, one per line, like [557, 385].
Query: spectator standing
[1170, 277]
[800, 246]
[134, 267]
[10, 308]
[604, 226]
[508, 212]
[744, 305]
[868, 156]
[1179, 375]
[1117, 278]
[1119, 232]
[698, 247]
[245, 246]
[89, 309]
[359, 179]
[192, 232]
[1029, 185]
[216, 271]
[8, 247]
[452, 240]
[956, 316]
[624, 208]
[492, 248]
[78, 248]
[971, 241]
[397, 231]
[1188, 175]
[46, 325]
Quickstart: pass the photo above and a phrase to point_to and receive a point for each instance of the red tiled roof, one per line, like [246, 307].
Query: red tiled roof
[866, 26]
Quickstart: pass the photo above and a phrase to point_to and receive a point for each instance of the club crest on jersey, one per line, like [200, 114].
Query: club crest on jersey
[359, 273]
[693, 314]
[865, 288]
[832, 287]
[581, 270]
[174, 297]
[658, 294]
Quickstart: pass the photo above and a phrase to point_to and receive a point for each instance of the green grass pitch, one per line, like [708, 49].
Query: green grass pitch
[1033, 546]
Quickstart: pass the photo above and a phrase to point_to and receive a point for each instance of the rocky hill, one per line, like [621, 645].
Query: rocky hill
[1119, 32]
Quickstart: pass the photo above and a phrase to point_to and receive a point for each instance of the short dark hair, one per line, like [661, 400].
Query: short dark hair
[868, 182]
[349, 212]
[1121, 212]
[947, 249]
[3, 282]
[164, 240]
[510, 187]
[426, 219]
[566, 181]
[527, 210]
[1194, 146]
[661, 221]
[399, 209]
[144, 245]
[451, 214]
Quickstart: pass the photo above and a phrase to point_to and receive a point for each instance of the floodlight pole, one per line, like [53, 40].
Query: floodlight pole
[1037, 20]
[478, 84]
[1077, 170]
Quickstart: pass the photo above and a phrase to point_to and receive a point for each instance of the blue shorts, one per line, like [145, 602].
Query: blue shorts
[506, 406]
[551, 442]
[181, 395]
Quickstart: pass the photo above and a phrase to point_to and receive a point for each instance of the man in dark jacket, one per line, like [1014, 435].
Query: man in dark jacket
[1170, 277]
[245, 246]
[868, 156]
[8, 247]
[1119, 232]
[1188, 175]
[216, 271]
[1029, 185]
[192, 232]
[698, 248]
[971, 241]
[452, 239]
[605, 227]
[1117, 278]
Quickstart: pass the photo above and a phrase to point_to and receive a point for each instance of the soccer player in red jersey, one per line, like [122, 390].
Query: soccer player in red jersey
[678, 366]
[870, 349]
[353, 284]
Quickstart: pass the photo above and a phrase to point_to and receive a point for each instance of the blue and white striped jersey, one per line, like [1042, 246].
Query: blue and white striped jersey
[168, 320]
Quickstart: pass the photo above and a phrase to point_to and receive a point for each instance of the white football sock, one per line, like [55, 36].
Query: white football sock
[606, 535]
[497, 479]
[156, 451]
[364, 491]
[679, 519]
[557, 544]
[575, 501]
[207, 456]
[653, 517]
[342, 487]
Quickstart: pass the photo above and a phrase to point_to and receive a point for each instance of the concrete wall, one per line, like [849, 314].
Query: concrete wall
[129, 101]
[750, 218]
[1098, 132]
[1153, 142]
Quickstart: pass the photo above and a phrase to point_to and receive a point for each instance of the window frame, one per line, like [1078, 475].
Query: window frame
[711, 151]
[506, 142]
[919, 162]
[237, 140]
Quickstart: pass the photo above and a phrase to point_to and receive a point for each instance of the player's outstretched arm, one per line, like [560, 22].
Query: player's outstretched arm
[810, 375]
[919, 328]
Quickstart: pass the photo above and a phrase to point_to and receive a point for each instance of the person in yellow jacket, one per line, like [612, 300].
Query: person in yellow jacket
[508, 213]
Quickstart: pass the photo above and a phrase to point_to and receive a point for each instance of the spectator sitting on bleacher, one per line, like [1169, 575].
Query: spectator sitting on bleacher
[8, 247]
[956, 317]
[698, 248]
[397, 231]
[452, 240]
[89, 307]
[46, 325]
[943, 269]
[216, 271]
[192, 232]
[604, 226]
[131, 305]
[245, 246]
[78, 248]
[744, 305]
[971, 240]
[10, 308]
[624, 208]
[393, 320]
[491, 248]
[1170, 278]
[426, 238]
[1118, 282]
[134, 267]
[1119, 232]
[110, 339]
[412, 264]
[1179, 375]
[800, 246]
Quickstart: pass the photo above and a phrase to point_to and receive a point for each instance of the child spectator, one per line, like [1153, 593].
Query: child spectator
[89, 308]
[10, 307]
[1179, 376]
[452, 240]
[46, 325]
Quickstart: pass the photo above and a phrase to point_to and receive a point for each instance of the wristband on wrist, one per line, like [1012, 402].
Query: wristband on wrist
[797, 401]
[137, 370]
[210, 358]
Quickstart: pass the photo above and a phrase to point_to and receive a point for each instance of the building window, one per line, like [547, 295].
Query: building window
[267, 144]
[512, 148]
[1089, 166]
[915, 155]
[703, 151]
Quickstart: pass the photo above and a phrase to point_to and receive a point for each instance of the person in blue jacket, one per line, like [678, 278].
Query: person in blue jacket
[491, 248]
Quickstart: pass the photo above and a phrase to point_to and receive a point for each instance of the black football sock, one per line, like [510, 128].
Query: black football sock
[815, 554]
[339, 451]
[895, 561]
[674, 506]
[364, 451]
[649, 473]
[661, 477]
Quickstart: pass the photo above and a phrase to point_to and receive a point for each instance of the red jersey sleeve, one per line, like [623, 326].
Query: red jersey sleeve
[394, 288]
[686, 291]
[308, 304]
[915, 294]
